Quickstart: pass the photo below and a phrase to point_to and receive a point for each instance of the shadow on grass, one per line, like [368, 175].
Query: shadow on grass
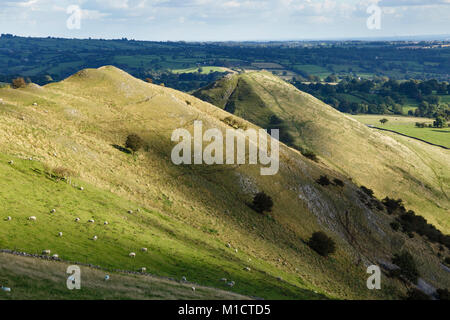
[120, 148]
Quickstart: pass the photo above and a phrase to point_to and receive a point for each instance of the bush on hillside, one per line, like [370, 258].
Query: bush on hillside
[367, 191]
[323, 181]
[322, 244]
[134, 142]
[443, 294]
[393, 205]
[19, 83]
[262, 202]
[310, 155]
[395, 225]
[447, 261]
[408, 269]
[338, 182]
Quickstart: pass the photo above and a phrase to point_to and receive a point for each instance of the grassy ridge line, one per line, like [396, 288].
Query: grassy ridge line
[33, 278]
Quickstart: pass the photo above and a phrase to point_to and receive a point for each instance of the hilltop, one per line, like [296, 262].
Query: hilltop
[61, 148]
[392, 166]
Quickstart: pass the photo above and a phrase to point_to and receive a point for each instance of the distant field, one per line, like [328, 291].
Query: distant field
[406, 125]
[205, 70]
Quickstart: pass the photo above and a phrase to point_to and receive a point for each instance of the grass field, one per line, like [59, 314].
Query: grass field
[406, 125]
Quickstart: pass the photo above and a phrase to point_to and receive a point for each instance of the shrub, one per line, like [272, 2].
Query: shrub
[393, 205]
[322, 244]
[447, 261]
[19, 83]
[262, 202]
[416, 294]
[395, 225]
[367, 191]
[443, 294]
[134, 142]
[323, 181]
[310, 155]
[407, 266]
[338, 182]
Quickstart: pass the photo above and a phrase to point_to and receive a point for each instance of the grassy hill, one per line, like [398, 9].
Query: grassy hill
[184, 215]
[415, 172]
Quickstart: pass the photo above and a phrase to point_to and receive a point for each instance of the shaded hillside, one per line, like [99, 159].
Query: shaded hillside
[194, 220]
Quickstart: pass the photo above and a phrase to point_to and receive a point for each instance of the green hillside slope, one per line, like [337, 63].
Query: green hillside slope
[415, 172]
[184, 215]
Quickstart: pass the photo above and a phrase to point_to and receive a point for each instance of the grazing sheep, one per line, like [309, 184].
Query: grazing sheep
[81, 188]
[279, 278]
[143, 269]
[53, 211]
[223, 279]
[144, 249]
[35, 104]
[106, 277]
[8, 218]
[247, 269]
[228, 245]
[130, 211]
[106, 223]
[32, 218]
[231, 284]
[11, 162]
[6, 289]
[193, 289]
[132, 255]
[55, 256]
[183, 279]
[46, 252]
[95, 238]
[77, 219]
[236, 250]
[60, 234]
[91, 220]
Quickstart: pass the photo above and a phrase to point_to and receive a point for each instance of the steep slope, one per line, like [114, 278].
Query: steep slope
[391, 165]
[187, 214]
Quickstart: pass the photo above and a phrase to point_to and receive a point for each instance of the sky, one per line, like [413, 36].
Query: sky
[225, 20]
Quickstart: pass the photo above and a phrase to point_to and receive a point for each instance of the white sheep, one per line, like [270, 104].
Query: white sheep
[144, 249]
[231, 284]
[91, 220]
[81, 188]
[32, 218]
[236, 250]
[183, 279]
[228, 245]
[106, 277]
[247, 269]
[53, 211]
[132, 255]
[130, 211]
[60, 234]
[8, 218]
[106, 223]
[46, 252]
[223, 279]
[55, 256]
[11, 162]
[193, 289]
[143, 269]
[95, 238]
[77, 219]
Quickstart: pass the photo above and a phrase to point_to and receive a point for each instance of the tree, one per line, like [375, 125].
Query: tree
[439, 122]
[407, 265]
[262, 202]
[19, 83]
[384, 120]
[322, 244]
[134, 142]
